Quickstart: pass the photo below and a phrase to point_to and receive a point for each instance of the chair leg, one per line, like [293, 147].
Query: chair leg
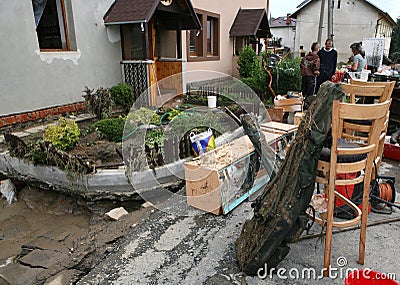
[364, 218]
[329, 227]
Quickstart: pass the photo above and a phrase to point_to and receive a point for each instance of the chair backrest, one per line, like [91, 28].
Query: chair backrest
[348, 123]
[387, 94]
[369, 89]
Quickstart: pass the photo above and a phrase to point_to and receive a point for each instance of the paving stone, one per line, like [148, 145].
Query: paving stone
[21, 134]
[37, 129]
[116, 214]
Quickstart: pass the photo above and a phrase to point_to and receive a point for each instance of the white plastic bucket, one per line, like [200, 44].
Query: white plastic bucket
[212, 101]
[364, 75]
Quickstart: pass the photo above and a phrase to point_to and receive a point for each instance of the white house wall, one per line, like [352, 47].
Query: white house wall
[354, 21]
[34, 80]
[227, 11]
[288, 35]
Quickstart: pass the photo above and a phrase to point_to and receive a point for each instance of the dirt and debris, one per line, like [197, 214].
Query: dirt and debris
[90, 148]
[51, 237]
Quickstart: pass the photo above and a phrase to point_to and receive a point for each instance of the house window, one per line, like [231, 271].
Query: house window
[204, 44]
[338, 4]
[212, 36]
[51, 24]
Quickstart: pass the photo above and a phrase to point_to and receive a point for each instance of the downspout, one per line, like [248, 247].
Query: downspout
[321, 21]
[330, 19]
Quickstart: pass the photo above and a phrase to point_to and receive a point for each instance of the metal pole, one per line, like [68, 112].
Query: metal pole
[330, 18]
[321, 22]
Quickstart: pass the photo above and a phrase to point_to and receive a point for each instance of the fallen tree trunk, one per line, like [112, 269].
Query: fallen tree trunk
[279, 212]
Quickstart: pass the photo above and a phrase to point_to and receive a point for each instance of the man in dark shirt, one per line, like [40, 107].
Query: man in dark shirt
[328, 60]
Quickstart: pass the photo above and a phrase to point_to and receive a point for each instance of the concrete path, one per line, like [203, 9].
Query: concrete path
[167, 249]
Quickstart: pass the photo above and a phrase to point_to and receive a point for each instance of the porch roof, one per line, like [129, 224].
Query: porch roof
[141, 11]
[250, 22]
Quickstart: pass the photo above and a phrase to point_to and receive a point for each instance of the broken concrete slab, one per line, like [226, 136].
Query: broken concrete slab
[17, 274]
[107, 183]
[65, 277]
[116, 214]
[44, 243]
[42, 258]
[147, 205]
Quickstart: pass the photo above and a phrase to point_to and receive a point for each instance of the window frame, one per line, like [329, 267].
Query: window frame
[63, 25]
[201, 50]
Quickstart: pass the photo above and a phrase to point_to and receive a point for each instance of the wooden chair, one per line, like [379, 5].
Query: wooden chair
[380, 90]
[358, 158]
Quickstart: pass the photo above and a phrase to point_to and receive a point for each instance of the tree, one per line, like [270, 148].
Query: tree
[394, 52]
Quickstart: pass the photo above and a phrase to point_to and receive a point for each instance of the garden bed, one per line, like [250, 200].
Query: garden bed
[100, 172]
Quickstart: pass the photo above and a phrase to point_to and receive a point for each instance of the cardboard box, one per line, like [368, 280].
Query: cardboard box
[214, 179]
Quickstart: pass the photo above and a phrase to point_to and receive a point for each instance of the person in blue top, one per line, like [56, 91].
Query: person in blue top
[328, 60]
[359, 60]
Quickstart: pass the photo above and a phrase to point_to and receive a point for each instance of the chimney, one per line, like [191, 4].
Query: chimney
[267, 7]
[288, 19]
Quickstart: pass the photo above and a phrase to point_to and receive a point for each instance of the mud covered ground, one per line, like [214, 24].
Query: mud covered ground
[47, 236]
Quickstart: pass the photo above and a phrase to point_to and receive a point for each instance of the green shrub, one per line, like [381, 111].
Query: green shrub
[247, 62]
[112, 128]
[258, 79]
[64, 135]
[144, 116]
[122, 94]
[99, 103]
[154, 136]
[287, 76]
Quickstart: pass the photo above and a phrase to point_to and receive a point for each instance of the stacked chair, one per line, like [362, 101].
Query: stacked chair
[358, 132]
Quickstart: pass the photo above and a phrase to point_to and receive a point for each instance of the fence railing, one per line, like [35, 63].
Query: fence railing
[136, 74]
[242, 96]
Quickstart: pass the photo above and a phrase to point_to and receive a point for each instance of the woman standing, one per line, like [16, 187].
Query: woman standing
[359, 60]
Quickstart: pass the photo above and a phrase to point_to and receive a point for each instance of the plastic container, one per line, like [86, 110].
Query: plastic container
[212, 101]
[364, 75]
[370, 277]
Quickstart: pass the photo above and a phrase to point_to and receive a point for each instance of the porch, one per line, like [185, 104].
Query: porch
[151, 42]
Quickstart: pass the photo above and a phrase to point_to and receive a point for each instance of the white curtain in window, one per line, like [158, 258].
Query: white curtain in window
[38, 8]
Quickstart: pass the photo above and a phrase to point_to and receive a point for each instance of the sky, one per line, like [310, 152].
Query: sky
[282, 7]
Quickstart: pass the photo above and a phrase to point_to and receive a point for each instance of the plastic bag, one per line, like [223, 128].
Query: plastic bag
[7, 188]
[202, 142]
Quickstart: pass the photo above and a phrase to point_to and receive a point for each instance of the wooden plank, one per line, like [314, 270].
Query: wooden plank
[277, 126]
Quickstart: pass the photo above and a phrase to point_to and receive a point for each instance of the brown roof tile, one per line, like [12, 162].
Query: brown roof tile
[130, 11]
[250, 22]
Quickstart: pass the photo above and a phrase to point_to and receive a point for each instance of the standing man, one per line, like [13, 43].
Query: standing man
[328, 59]
[309, 66]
